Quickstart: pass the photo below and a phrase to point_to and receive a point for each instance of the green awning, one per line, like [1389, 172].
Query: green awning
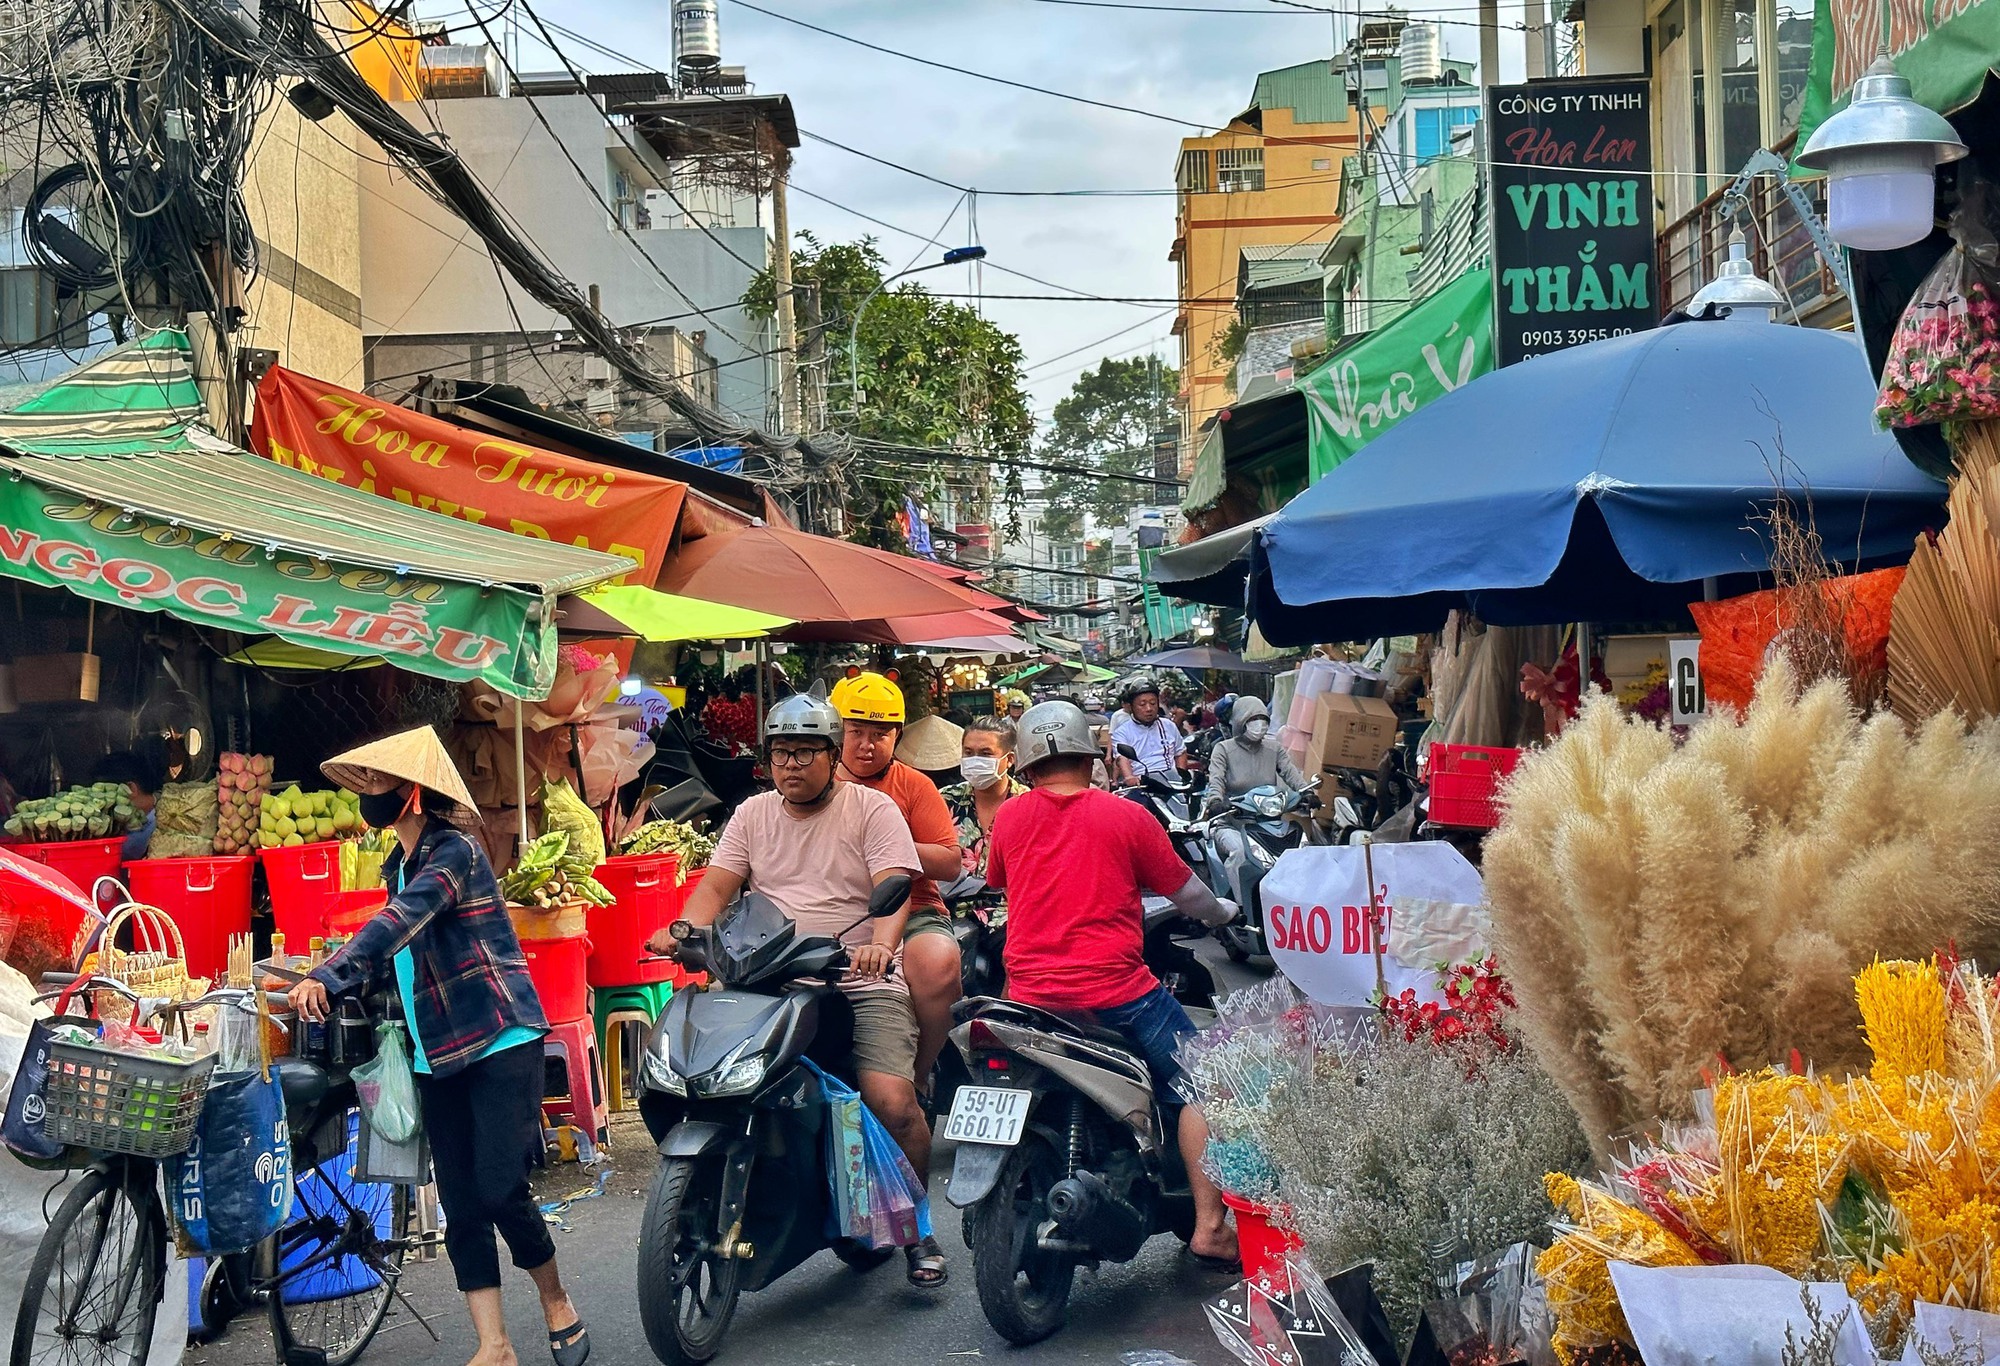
[1208, 479]
[1165, 618]
[121, 498]
[1434, 347]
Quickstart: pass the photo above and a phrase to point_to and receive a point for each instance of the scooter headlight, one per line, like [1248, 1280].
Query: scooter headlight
[1268, 805]
[661, 1077]
[741, 1076]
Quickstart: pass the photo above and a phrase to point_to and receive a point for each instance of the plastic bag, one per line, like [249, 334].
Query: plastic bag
[1943, 358]
[1695, 1315]
[386, 1087]
[1288, 1317]
[877, 1199]
[232, 1188]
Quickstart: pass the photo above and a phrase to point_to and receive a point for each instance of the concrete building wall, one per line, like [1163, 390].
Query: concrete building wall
[304, 196]
[423, 276]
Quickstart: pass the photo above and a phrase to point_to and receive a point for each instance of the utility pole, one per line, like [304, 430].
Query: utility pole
[781, 286]
[1489, 42]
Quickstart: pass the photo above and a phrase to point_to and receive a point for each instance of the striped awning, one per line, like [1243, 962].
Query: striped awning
[140, 397]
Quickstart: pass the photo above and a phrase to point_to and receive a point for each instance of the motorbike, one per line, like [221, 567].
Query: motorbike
[741, 1194]
[1169, 800]
[1266, 821]
[1066, 1157]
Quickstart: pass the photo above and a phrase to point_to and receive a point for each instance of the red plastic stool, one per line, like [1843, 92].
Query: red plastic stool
[573, 1079]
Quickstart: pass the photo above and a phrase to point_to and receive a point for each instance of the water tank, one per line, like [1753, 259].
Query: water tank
[697, 34]
[1422, 55]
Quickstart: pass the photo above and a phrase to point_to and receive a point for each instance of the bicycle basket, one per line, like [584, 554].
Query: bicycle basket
[116, 1102]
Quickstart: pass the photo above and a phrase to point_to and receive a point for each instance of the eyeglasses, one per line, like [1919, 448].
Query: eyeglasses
[794, 758]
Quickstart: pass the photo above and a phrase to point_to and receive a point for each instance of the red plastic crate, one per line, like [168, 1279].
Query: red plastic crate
[1464, 780]
[649, 897]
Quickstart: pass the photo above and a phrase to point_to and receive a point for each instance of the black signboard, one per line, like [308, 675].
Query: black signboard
[1574, 258]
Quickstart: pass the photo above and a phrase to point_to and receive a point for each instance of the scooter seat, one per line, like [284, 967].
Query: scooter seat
[1081, 1023]
[966, 931]
[303, 1084]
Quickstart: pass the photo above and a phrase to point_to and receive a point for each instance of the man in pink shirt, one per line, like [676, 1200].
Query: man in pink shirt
[818, 847]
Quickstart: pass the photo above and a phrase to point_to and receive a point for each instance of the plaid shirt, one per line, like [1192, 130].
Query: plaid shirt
[472, 979]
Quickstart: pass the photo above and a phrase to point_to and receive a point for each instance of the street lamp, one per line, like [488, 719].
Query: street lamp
[1738, 289]
[1880, 156]
[953, 256]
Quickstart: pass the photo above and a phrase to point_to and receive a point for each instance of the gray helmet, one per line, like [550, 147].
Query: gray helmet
[1136, 688]
[1246, 710]
[1048, 730]
[804, 713]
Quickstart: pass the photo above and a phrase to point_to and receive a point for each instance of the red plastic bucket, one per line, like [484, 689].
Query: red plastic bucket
[557, 967]
[209, 899]
[305, 880]
[648, 899]
[1264, 1245]
[81, 861]
[349, 911]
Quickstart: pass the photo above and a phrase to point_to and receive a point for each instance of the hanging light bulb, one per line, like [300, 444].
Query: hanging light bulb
[1880, 156]
[1737, 287]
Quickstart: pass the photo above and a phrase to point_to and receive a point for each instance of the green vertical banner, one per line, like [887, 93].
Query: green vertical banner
[1945, 48]
[1440, 345]
[1165, 617]
[456, 631]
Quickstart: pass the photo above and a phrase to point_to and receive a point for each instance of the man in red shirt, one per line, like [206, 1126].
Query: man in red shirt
[1074, 860]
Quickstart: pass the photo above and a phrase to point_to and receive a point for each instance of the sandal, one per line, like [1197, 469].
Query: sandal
[570, 1346]
[927, 1268]
[1221, 1266]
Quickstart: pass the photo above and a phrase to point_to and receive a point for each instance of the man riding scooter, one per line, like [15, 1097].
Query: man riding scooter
[1250, 759]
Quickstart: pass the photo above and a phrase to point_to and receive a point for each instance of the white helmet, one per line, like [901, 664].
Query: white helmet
[1048, 730]
[804, 713]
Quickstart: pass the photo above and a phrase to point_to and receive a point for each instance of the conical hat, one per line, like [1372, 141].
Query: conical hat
[930, 743]
[415, 756]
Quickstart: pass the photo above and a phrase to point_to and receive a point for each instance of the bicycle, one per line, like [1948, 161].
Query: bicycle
[325, 1280]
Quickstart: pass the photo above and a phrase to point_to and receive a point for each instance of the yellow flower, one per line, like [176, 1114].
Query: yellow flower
[1903, 1016]
[1596, 1228]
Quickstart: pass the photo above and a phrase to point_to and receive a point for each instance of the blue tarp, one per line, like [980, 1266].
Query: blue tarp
[1604, 482]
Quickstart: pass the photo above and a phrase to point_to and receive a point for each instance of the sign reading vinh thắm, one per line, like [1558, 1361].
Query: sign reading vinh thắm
[1574, 256]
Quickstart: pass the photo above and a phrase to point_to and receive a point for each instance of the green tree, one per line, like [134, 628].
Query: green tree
[935, 375]
[1106, 423]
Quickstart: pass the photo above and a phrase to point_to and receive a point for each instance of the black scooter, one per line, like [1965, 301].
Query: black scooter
[741, 1196]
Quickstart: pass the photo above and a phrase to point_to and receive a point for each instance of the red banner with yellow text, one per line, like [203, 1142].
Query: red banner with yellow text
[426, 462]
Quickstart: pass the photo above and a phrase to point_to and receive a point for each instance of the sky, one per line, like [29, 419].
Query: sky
[1196, 66]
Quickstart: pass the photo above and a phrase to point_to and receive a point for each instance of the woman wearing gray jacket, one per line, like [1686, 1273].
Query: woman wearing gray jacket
[1250, 757]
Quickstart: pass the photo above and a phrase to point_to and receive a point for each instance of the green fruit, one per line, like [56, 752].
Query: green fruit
[286, 827]
[293, 841]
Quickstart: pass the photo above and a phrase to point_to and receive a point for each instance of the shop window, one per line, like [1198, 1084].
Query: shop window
[1192, 175]
[1434, 128]
[1239, 170]
[1683, 150]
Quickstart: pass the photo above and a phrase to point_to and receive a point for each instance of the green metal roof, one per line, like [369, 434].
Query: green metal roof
[121, 430]
[1208, 480]
[1310, 90]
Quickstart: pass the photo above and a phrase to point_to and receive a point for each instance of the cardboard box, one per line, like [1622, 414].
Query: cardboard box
[55, 678]
[1350, 732]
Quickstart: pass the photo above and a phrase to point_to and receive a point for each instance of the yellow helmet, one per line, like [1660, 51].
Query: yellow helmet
[868, 697]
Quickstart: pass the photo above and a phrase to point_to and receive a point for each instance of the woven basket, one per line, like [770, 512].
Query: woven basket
[156, 968]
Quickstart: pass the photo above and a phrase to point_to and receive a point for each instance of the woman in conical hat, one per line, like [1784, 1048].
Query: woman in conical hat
[475, 1022]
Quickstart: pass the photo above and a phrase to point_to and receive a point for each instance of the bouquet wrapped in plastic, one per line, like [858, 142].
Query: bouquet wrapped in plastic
[1941, 364]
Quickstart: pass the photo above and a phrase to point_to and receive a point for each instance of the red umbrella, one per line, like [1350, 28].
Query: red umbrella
[31, 892]
[815, 580]
[917, 630]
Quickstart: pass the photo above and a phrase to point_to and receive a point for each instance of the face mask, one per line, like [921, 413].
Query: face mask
[383, 809]
[981, 770]
[1255, 731]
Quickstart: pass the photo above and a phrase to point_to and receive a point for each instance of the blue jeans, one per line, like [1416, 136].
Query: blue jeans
[1156, 1025]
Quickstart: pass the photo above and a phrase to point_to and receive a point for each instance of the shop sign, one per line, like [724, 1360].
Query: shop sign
[456, 631]
[1443, 343]
[424, 462]
[1944, 48]
[1574, 256]
[1317, 919]
[1687, 698]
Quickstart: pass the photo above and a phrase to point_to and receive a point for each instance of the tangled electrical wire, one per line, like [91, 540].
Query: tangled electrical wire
[142, 130]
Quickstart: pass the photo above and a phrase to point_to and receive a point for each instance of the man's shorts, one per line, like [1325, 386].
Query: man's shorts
[1156, 1025]
[929, 920]
[885, 1032]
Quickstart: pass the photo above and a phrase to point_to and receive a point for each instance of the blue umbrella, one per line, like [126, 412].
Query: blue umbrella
[1605, 482]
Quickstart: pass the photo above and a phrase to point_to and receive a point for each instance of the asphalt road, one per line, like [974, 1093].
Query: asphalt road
[822, 1314]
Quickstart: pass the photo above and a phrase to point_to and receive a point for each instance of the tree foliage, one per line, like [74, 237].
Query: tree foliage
[934, 374]
[1106, 423]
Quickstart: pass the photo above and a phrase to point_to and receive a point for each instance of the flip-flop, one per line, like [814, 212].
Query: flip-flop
[570, 1346]
[927, 1267]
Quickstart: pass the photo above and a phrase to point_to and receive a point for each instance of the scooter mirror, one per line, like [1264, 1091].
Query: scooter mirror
[888, 897]
[1128, 752]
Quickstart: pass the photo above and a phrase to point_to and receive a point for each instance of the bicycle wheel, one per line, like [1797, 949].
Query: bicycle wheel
[94, 1287]
[330, 1273]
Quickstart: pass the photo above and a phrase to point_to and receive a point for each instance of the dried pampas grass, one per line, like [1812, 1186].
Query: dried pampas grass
[1666, 911]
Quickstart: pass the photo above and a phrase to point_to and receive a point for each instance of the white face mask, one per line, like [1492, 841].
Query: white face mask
[1255, 731]
[981, 770]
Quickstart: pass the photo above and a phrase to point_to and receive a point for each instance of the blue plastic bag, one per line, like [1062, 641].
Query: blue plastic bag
[232, 1188]
[877, 1199]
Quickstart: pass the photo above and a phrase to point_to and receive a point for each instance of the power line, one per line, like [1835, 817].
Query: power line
[979, 75]
[958, 457]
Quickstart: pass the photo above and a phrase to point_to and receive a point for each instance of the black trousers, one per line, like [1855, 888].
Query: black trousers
[483, 1123]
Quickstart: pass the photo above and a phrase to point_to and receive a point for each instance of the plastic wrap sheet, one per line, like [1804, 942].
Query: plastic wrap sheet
[1700, 1315]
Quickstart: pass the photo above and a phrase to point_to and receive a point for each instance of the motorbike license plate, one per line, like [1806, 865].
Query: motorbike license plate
[988, 1114]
